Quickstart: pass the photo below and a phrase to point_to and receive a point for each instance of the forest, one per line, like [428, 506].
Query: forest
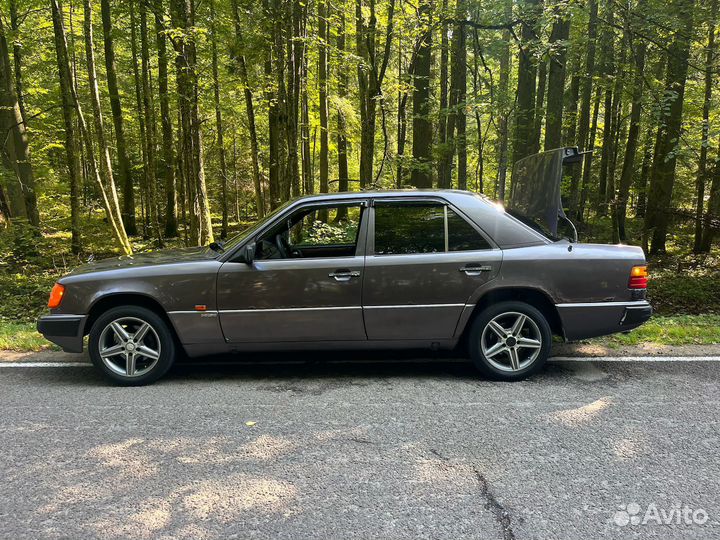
[137, 124]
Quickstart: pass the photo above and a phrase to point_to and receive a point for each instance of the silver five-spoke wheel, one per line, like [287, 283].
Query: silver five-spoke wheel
[511, 341]
[129, 346]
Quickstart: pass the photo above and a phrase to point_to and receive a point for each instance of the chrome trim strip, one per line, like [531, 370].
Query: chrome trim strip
[272, 310]
[400, 306]
[61, 316]
[636, 303]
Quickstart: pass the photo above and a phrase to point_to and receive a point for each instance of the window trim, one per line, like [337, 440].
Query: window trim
[370, 249]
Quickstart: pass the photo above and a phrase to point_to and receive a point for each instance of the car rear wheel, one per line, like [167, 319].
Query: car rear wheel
[510, 341]
[131, 345]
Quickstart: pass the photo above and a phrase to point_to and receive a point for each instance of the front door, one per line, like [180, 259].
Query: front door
[305, 282]
[424, 262]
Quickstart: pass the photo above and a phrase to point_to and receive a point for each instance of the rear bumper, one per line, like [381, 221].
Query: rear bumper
[586, 320]
[63, 330]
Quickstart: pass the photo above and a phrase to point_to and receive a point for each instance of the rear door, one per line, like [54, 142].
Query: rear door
[425, 259]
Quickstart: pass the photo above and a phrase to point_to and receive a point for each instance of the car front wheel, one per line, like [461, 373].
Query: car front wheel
[510, 341]
[131, 345]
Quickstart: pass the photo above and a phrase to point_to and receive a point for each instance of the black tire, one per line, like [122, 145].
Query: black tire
[158, 340]
[499, 364]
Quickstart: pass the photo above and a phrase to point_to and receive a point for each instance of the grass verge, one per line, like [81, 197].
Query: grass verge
[673, 330]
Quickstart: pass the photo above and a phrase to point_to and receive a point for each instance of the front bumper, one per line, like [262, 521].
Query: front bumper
[63, 330]
[586, 320]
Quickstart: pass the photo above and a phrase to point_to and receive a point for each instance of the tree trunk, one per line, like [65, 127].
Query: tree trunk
[539, 114]
[459, 91]
[586, 87]
[14, 144]
[249, 110]
[527, 72]
[702, 172]
[662, 173]
[166, 162]
[587, 168]
[17, 59]
[342, 146]
[218, 122]
[504, 105]
[445, 153]
[71, 150]
[201, 232]
[556, 80]
[608, 70]
[125, 174]
[140, 115]
[421, 176]
[149, 112]
[323, 37]
[628, 167]
[711, 222]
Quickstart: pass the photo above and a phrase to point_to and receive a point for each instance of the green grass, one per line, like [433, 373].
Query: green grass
[673, 330]
[22, 337]
[676, 330]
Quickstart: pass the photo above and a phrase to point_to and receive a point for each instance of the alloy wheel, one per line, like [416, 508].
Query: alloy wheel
[511, 341]
[129, 346]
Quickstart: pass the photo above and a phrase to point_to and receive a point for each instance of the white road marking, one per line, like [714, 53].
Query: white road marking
[646, 359]
[43, 364]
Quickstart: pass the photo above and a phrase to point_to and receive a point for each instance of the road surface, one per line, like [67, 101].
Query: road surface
[414, 449]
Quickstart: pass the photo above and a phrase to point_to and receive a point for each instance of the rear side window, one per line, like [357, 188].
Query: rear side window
[462, 236]
[405, 228]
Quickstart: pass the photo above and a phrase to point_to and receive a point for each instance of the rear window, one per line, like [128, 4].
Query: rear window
[405, 228]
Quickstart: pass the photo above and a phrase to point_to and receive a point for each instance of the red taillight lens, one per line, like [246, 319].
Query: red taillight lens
[638, 277]
[56, 296]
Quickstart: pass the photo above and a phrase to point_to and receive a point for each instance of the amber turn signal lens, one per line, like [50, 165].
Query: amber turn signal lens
[56, 296]
[638, 277]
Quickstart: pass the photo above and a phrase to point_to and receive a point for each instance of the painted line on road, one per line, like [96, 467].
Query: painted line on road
[645, 359]
[43, 364]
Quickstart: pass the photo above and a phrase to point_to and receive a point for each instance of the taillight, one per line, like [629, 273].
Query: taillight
[638, 277]
[56, 296]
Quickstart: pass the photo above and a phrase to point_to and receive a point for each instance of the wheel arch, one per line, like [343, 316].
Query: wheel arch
[529, 295]
[112, 300]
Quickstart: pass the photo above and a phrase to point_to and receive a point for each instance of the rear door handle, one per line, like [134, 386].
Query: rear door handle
[475, 269]
[344, 275]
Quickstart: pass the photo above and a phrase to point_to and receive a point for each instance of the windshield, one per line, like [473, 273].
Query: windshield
[240, 237]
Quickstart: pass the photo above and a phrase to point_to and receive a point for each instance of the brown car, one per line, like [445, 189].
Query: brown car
[371, 270]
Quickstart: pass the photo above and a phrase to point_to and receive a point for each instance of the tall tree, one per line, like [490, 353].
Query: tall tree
[15, 147]
[342, 143]
[72, 161]
[638, 48]
[504, 103]
[166, 161]
[421, 176]
[586, 88]
[527, 72]
[218, 121]
[124, 168]
[702, 172]
[17, 58]
[249, 109]
[444, 170]
[183, 15]
[556, 77]
[371, 74]
[662, 174]
[458, 91]
[151, 197]
[323, 41]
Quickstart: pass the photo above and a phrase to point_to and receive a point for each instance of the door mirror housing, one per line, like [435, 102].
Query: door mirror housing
[247, 255]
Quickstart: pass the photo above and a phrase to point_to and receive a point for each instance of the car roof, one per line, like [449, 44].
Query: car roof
[394, 193]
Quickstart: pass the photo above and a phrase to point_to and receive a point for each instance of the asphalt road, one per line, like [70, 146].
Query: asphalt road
[391, 450]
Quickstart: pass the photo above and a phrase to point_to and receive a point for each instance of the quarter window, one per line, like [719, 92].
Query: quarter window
[405, 228]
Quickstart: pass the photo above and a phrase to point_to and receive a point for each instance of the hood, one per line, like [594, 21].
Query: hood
[151, 258]
[535, 189]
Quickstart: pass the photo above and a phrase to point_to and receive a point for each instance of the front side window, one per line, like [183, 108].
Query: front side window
[405, 228]
[312, 232]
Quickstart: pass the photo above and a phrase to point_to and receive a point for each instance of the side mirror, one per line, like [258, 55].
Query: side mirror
[248, 254]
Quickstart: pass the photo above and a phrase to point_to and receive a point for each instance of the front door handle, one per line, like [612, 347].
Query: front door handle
[343, 275]
[475, 269]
